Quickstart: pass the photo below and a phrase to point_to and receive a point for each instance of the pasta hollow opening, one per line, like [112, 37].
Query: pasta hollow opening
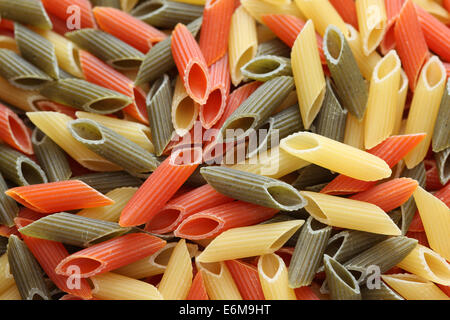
[243, 123]
[19, 133]
[164, 219]
[127, 63]
[281, 240]
[343, 274]
[334, 246]
[243, 59]
[258, 68]
[140, 101]
[30, 173]
[163, 257]
[199, 226]
[285, 196]
[437, 266]
[387, 67]
[107, 104]
[37, 295]
[30, 82]
[198, 81]
[212, 107]
[87, 131]
[313, 208]
[434, 74]
[185, 113]
[146, 9]
[213, 267]
[85, 265]
[374, 37]
[302, 143]
[334, 45]
[270, 265]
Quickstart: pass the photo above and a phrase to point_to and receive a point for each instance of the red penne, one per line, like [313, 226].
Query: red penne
[287, 28]
[7, 24]
[446, 4]
[416, 223]
[127, 28]
[99, 73]
[6, 231]
[211, 222]
[347, 10]
[59, 196]
[49, 254]
[111, 254]
[215, 29]
[59, 26]
[305, 293]
[247, 279]
[159, 188]
[445, 289]
[213, 109]
[444, 194]
[391, 150]
[437, 34]
[389, 195]
[393, 8]
[432, 175]
[191, 64]
[192, 139]
[71, 11]
[13, 131]
[419, 236]
[198, 289]
[410, 43]
[29, 214]
[184, 206]
[47, 105]
[286, 253]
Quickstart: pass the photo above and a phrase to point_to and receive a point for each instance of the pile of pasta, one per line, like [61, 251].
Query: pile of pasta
[346, 197]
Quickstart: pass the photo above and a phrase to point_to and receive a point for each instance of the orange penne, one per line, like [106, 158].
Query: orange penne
[215, 29]
[211, 222]
[391, 150]
[99, 73]
[437, 34]
[288, 27]
[149, 200]
[393, 8]
[13, 131]
[49, 254]
[246, 278]
[432, 175]
[6, 24]
[59, 196]
[419, 236]
[59, 25]
[66, 10]
[111, 254]
[445, 289]
[347, 11]
[127, 28]
[213, 109]
[47, 105]
[191, 64]
[410, 42]
[198, 289]
[305, 293]
[184, 206]
[389, 195]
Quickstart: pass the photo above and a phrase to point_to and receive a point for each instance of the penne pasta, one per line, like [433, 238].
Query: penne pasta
[347, 10]
[184, 109]
[26, 11]
[105, 182]
[198, 289]
[246, 278]
[13, 131]
[343, 285]
[441, 139]
[413, 287]
[62, 9]
[273, 276]
[264, 68]
[218, 280]
[372, 23]
[258, 9]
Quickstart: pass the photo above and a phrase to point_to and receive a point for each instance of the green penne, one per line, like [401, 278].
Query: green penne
[441, 135]
[3, 245]
[26, 271]
[381, 293]
[85, 96]
[106, 181]
[37, 50]
[383, 255]
[20, 169]
[113, 147]
[107, 48]
[8, 207]
[51, 157]
[312, 175]
[73, 229]
[20, 73]
[274, 47]
[277, 127]
[159, 59]
[308, 252]
[443, 165]
[166, 14]
[253, 188]
[29, 12]
[159, 108]
[409, 208]
[343, 286]
[331, 120]
[257, 108]
[106, 3]
[347, 78]
[264, 68]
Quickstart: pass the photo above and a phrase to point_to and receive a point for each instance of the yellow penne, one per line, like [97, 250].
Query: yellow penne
[66, 52]
[365, 63]
[155, 264]
[426, 263]
[6, 278]
[242, 44]
[22, 99]
[382, 104]
[133, 131]
[426, 101]
[354, 132]
[323, 14]
[127, 5]
[401, 100]
[347, 213]
[184, 109]
[434, 9]
[412, 287]
[436, 221]
[372, 23]
[8, 43]
[249, 241]
[112, 213]
[258, 8]
[336, 156]
[218, 281]
[112, 286]
[273, 276]
[54, 125]
[12, 293]
[177, 278]
[308, 74]
[274, 163]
